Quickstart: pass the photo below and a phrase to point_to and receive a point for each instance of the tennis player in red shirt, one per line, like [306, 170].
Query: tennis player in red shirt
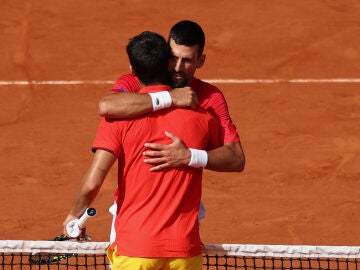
[187, 41]
[157, 212]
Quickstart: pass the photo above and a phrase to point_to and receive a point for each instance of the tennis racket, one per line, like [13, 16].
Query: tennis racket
[50, 258]
[74, 227]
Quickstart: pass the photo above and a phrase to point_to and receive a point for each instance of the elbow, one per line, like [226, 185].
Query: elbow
[241, 166]
[103, 108]
[238, 164]
[237, 160]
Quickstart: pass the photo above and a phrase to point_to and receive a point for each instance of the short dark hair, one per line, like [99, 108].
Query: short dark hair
[188, 33]
[148, 54]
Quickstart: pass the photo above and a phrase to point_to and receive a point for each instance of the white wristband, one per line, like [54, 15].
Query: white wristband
[199, 158]
[160, 100]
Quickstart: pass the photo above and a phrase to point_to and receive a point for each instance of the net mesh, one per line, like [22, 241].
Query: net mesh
[17, 254]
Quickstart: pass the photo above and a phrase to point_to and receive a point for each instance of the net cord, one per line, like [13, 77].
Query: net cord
[215, 249]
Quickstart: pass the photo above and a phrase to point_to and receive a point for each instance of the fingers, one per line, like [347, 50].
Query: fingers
[154, 154]
[164, 156]
[73, 229]
[155, 160]
[155, 146]
[184, 97]
[160, 147]
[159, 167]
[159, 163]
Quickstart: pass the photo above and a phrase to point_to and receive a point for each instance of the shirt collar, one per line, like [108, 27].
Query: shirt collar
[155, 88]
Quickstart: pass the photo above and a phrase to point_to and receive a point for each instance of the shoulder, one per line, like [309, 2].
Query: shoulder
[209, 95]
[127, 83]
[203, 85]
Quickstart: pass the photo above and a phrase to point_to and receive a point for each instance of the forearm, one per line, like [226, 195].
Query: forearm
[125, 105]
[129, 104]
[90, 184]
[227, 158]
[83, 199]
[86, 194]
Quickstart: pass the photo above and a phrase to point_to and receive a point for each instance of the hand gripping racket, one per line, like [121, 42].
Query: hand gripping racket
[50, 258]
[73, 228]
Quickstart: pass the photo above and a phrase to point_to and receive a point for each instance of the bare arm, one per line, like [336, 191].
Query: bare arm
[128, 105]
[227, 158]
[125, 105]
[90, 184]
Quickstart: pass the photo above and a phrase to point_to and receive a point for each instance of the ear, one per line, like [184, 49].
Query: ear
[131, 70]
[201, 61]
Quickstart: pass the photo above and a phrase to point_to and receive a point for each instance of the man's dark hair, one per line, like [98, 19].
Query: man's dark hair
[188, 33]
[148, 54]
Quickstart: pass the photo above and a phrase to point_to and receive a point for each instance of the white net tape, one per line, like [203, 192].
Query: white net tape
[7, 246]
[284, 250]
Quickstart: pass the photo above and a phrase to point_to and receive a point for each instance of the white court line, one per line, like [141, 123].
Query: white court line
[254, 81]
[75, 82]
[222, 81]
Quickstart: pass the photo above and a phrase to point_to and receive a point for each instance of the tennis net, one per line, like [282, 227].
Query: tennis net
[18, 254]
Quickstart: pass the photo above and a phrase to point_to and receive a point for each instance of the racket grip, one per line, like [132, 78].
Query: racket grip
[73, 228]
[90, 212]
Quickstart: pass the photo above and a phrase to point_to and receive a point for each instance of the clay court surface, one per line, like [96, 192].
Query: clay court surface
[301, 139]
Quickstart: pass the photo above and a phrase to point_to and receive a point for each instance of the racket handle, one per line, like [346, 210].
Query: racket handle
[73, 228]
[90, 212]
